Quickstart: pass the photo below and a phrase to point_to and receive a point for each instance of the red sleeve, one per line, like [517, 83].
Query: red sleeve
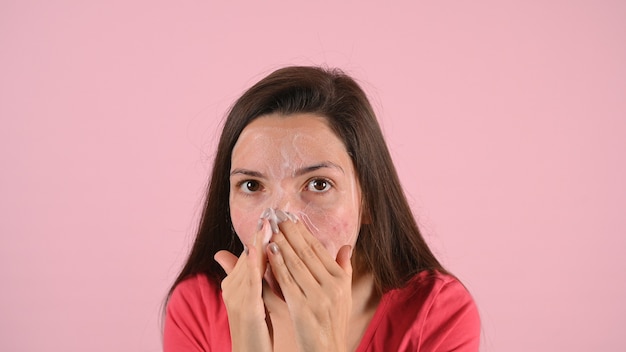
[452, 322]
[195, 318]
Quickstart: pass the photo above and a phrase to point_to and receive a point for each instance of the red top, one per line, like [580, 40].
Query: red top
[434, 312]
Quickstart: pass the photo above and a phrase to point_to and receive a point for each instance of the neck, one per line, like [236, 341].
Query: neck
[365, 300]
[365, 294]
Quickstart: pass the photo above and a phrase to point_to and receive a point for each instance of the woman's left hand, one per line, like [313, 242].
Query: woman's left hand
[316, 287]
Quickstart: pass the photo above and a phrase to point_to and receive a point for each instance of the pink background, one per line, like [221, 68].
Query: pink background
[507, 123]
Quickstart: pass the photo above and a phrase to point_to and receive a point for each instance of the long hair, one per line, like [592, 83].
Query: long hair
[389, 245]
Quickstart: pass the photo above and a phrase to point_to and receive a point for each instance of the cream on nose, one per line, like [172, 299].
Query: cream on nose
[286, 207]
[282, 201]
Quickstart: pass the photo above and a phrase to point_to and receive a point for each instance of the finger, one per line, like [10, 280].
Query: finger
[253, 263]
[308, 273]
[226, 260]
[300, 259]
[263, 231]
[235, 268]
[344, 257]
[292, 291]
[310, 250]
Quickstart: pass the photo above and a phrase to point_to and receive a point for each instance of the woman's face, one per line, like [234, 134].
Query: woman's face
[295, 163]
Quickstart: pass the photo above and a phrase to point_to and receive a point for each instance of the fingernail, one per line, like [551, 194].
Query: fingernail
[265, 213]
[274, 225]
[273, 248]
[259, 225]
[245, 249]
[285, 215]
[292, 217]
[282, 216]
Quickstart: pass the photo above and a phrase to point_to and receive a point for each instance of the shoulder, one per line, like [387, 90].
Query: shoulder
[434, 287]
[194, 288]
[195, 313]
[437, 314]
[197, 296]
[450, 316]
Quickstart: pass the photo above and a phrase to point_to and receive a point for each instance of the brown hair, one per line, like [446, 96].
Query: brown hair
[389, 245]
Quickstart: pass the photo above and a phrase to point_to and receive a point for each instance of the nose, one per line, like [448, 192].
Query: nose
[283, 203]
[283, 200]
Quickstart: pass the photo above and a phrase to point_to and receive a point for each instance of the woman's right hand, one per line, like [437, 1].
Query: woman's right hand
[242, 294]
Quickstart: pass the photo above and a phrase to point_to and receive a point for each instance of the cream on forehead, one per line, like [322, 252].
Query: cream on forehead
[284, 149]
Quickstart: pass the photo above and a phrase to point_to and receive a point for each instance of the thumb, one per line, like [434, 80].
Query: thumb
[226, 260]
[343, 258]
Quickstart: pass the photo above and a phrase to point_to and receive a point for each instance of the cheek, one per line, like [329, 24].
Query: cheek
[334, 228]
[244, 224]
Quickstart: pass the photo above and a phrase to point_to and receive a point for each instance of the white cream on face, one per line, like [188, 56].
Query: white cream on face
[297, 164]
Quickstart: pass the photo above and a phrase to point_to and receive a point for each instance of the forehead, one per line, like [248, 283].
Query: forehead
[302, 134]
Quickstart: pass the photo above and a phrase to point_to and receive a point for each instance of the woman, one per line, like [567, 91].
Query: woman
[330, 258]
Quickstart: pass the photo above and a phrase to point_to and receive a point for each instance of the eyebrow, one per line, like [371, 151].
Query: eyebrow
[301, 171]
[326, 164]
[247, 173]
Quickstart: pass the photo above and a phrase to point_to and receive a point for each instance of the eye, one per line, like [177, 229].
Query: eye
[319, 185]
[249, 186]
